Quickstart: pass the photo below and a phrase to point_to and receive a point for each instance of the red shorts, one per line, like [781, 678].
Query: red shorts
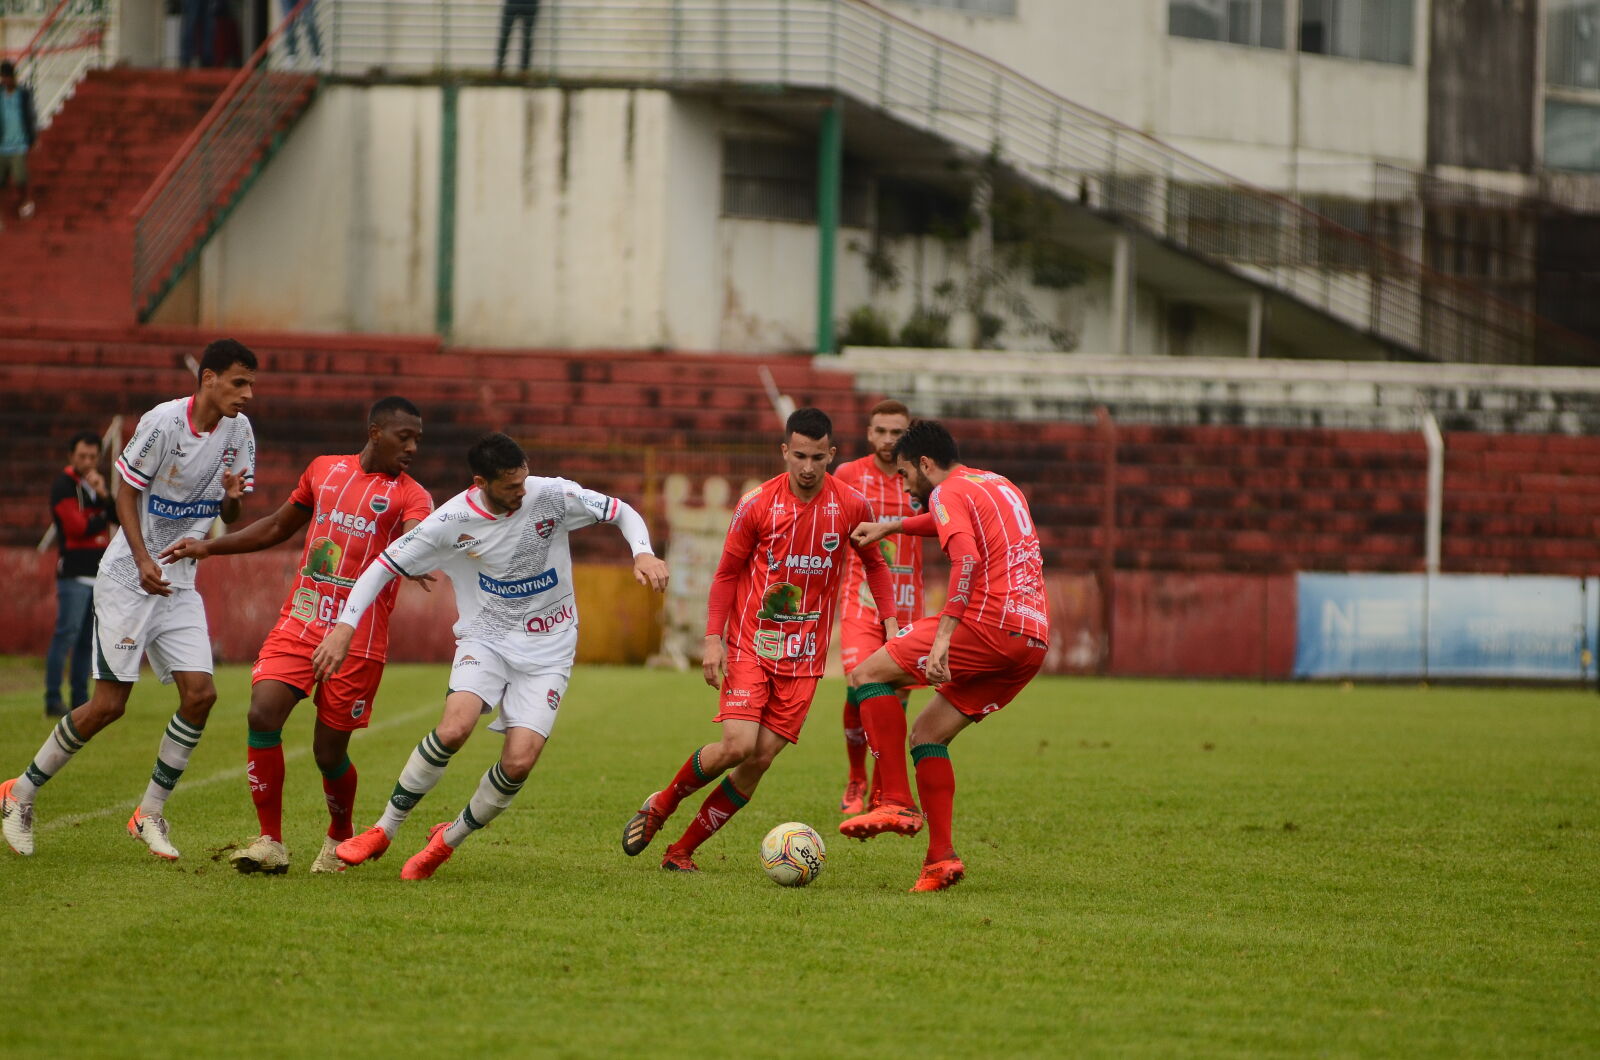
[988, 666]
[858, 639]
[344, 701]
[750, 692]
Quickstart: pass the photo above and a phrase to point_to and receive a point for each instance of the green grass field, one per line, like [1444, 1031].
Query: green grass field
[1155, 868]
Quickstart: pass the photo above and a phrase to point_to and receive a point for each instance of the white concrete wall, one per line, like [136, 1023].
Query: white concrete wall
[561, 218]
[340, 231]
[1228, 105]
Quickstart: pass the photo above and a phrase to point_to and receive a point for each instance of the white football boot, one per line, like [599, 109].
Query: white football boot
[16, 820]
[151, 829]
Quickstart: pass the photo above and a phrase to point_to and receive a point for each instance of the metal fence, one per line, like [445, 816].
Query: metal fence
[70, 41]
[854, 49]
[214, 167]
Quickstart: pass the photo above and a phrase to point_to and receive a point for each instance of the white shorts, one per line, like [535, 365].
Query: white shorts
[130, 624]
[526, 700]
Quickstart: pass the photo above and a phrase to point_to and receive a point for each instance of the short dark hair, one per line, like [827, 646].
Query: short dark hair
[927, 438]
[383, 408]
[7, 69]
[811, 423]
[493, 455]
[223, 354]
[81, 437]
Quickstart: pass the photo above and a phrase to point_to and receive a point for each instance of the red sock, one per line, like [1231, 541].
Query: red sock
[339, 787]
[936, 783]
[264, 770]
[885, 721]
[689, 780]
[719, 806]
[855, 739]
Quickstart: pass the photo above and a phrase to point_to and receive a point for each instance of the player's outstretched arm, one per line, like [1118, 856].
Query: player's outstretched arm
[424, 580]
[648, 568]
[275, 529]
[331, 653]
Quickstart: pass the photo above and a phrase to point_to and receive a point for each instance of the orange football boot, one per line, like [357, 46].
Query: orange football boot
[368, 846]
[853, 802]
[902, 820]
[938, 875]
[425, 862]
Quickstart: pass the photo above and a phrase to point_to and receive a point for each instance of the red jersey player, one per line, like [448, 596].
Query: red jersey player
[987, 645]
[860, 627]
[357, 505]
[779, 583]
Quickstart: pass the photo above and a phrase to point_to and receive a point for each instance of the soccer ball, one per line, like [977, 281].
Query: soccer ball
[793, 854]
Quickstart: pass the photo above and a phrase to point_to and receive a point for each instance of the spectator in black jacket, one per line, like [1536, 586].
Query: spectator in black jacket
[18, 130]
[82, 511]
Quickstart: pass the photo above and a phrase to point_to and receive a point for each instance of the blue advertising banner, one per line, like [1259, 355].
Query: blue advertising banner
[1454, 625]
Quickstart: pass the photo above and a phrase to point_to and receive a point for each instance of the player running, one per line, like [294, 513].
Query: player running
[860, 628]
[191, 460]
[779, 578]
[987, 645]
[358, 505]
[504, 544]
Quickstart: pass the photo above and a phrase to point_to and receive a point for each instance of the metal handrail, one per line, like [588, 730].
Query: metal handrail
[62, 51]
[858, 50]
[191, 195]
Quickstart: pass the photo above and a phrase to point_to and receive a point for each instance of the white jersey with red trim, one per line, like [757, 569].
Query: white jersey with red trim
[512, 572]
[179, 471]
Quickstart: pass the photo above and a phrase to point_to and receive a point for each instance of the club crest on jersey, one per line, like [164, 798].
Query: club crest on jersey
[830, 541]
[230, 454]
[358, 708]
[379, 504]
[544, 528]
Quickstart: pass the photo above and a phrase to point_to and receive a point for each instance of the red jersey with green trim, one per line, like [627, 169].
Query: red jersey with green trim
[1008, 585]
[889, 500]
[354, 516]
[791, 555]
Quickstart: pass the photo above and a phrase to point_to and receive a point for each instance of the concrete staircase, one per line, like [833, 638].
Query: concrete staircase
[88, 170]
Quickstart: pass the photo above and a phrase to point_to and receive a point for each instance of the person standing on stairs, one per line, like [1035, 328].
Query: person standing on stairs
[18, 130]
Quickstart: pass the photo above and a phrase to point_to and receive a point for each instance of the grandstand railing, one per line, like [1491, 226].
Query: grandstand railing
[71, 40]
[854, 49]
[215, 166]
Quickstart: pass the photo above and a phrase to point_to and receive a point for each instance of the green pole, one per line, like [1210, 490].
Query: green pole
[444, 309]
[830, 164]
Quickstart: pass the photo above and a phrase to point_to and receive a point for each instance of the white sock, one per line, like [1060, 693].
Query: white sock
[494, 794]
[59, 747]
[422, 771]
[177, 744]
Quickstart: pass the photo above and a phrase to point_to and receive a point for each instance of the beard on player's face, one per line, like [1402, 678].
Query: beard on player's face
[917, 483]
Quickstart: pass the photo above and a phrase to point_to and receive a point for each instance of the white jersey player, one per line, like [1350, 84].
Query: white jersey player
[190, 461]
[504, 545]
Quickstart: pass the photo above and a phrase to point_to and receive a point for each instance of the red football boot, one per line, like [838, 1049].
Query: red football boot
[938, 875]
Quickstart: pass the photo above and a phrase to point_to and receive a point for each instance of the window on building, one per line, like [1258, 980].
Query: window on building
[1258, 23]
[1572, 43]
[776, 180]
[1572, 136]
[1378, 31]
[1007, 8]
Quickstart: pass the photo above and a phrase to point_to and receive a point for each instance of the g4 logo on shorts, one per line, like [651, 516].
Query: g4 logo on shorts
[358, 708]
